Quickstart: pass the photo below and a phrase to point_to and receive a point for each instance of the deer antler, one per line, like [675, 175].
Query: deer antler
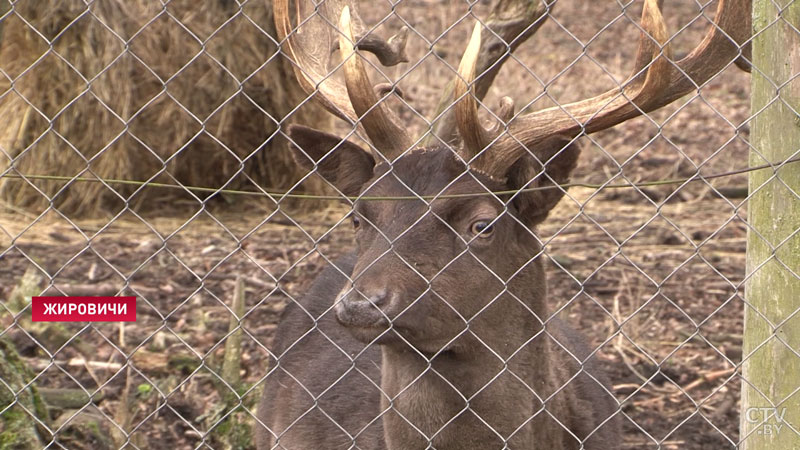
[654, 82]
[309, 48]
[511, 22]
[384, 133]
[309, 63]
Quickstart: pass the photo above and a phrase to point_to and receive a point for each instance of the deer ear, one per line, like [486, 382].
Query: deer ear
[560, 156]
[342, 163]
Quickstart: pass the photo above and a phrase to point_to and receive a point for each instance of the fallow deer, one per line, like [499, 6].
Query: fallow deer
[435, 332]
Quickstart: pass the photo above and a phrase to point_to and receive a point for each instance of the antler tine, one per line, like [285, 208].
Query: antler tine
[390, 52]
[474, 135]
[385, 134]
[645, 90]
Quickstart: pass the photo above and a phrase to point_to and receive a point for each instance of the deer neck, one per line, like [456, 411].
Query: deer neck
[434, 395]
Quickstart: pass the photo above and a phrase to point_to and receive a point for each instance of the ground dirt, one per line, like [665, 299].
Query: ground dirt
[654, 276]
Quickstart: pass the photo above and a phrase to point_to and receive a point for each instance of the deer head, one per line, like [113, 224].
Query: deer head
[427, 266]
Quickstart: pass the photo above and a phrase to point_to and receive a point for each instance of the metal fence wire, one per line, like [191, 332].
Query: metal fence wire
[525, 229]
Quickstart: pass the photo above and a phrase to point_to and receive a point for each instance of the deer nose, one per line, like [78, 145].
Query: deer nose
[362, 308]
[377, 297]
[363, 297]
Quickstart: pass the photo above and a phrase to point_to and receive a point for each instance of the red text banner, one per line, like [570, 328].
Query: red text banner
[83, 309]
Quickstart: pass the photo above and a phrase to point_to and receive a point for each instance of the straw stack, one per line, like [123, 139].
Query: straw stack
[137, 91]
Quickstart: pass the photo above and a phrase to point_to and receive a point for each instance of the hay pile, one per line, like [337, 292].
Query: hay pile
[91, 108]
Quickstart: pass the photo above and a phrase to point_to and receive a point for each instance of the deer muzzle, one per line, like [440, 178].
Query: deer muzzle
[363, 308]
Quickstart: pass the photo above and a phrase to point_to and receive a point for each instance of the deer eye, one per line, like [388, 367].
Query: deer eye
[482, 228]
[356, 222]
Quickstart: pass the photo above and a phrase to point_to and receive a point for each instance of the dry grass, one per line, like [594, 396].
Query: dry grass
[194, 99]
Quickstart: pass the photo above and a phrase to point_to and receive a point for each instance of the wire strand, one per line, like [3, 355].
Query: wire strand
[280, 195]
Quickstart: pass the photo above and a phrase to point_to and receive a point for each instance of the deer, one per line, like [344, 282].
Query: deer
[436, 331]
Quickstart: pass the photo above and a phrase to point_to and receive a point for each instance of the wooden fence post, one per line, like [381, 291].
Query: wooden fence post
[770, 415]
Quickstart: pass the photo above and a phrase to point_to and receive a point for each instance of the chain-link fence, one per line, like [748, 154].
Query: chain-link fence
[379, 281]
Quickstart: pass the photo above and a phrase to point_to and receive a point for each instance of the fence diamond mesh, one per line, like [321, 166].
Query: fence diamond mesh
[378, 280]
